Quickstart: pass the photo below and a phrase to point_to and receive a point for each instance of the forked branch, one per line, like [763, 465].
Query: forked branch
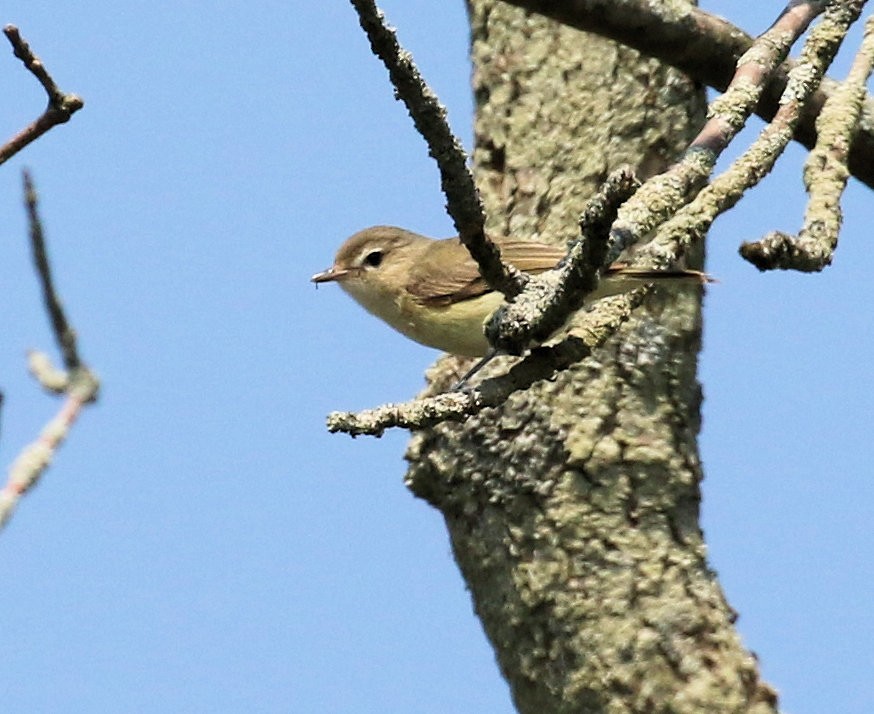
[76, 383]
[61, 105]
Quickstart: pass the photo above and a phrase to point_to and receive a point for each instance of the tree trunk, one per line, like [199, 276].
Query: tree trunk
[573, 509]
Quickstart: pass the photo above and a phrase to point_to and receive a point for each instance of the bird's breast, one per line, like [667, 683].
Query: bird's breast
[456, 328]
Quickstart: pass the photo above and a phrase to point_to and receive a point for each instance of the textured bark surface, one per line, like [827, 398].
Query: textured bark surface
[573, 510]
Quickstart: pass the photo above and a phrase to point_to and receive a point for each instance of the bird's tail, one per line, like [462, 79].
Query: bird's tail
[620, 278]
[651, 275]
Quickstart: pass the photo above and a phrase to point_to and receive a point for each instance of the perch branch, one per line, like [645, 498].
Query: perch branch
[541, 363]
[550, 298]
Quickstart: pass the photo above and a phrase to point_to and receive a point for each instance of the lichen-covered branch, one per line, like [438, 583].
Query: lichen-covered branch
[706, 47]
[35, 458]
[825, 177]
[544, 305]
[77, 383]
[663, 195]
[540, 363]
[462, 197]
[546, 301]
[693, 221]
[551, 298]
[61, 105]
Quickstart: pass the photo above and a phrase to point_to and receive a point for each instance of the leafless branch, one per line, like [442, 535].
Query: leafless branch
[550, 298]
[706, 48]
[692, 221]
[462, 197]
[825, 177]
[64, 334]
[61, 105]
[541, 363]
[663, 195]
[77, 383]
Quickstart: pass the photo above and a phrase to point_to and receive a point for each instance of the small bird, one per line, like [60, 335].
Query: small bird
[432, 291]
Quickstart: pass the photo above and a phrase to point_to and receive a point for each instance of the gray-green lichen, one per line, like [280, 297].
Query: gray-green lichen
[573, 508]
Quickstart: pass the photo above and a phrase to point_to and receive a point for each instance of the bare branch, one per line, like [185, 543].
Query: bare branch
[692, 222]
[706, 48]
[35, 458]
[462, 197]
[80, 379]
[77, 383]
[549, 299]
[64, 334]
[61, 105]
[663, 195]
[540, 363]
[825, 177]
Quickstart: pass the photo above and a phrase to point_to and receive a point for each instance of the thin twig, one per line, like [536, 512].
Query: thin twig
[825, 177]
[663, 195]
[64, 334]
[77, 383]
[540, 363]
[61, 105]
[693, 221]
[463, 202]
[549, 299]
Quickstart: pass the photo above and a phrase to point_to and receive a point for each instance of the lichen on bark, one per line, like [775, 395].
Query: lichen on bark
[573, 508]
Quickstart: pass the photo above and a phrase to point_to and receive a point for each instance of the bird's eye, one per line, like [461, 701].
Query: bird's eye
[373, 259]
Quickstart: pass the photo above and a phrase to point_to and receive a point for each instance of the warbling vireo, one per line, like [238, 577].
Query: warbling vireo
[432, 292]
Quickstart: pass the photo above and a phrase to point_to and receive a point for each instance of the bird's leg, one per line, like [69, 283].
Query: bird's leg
[482, 362]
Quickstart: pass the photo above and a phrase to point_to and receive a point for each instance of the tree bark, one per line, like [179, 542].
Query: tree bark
[573, 510]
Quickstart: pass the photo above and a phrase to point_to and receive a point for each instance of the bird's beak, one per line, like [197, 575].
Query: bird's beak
[329, 275]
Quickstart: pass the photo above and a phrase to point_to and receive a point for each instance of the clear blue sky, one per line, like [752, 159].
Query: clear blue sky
[202, 544]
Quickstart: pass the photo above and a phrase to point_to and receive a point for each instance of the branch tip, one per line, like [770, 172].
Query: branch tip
[61, 105]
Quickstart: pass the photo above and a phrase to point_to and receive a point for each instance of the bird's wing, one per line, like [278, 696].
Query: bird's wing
[447, 274]
[452, 275]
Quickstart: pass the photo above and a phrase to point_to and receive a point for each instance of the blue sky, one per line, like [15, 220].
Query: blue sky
[201, 543]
